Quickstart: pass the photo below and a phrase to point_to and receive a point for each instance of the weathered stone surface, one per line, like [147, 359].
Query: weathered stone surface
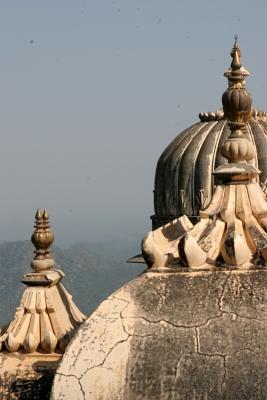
[172, 336]
[27, 377]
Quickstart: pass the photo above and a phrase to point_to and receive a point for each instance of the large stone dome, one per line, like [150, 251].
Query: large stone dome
[183, 181]
[172, 336]
[194, 325]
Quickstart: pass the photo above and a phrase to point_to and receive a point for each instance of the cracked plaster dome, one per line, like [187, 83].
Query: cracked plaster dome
[183, 181]
[172, 336]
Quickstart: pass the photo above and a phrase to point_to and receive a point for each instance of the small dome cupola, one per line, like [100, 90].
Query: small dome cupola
[46, 317]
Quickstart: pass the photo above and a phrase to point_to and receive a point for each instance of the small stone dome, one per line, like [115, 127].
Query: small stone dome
[176, 336]
[183, 181]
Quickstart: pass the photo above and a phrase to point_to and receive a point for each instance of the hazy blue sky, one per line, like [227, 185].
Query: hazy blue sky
[93, 91]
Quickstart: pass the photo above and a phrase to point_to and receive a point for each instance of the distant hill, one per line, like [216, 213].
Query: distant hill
[93, 271]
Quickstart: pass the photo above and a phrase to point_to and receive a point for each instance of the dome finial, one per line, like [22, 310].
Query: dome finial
[236, 54]
[236, 74]
[236, 37]
[42, 238]
[237, 102]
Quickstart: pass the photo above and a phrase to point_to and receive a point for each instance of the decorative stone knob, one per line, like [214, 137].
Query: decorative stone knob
[38, 236]
[237, 148]
[237, 104]
[42, 238]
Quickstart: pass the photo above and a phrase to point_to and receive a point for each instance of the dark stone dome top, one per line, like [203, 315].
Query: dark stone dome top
[184, 182]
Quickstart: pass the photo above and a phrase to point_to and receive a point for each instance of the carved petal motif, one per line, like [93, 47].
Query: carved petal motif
[232, 228]
[44, 320]
[235, 250]
[160, 247]
[195, 256]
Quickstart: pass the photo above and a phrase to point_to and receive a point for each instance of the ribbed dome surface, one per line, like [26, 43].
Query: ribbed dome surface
[183, 181]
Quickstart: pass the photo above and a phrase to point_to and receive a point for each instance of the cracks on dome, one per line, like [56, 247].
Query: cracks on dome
[190, 324]
[101, 365]
[155, 290]
[221, 306]
[132, 334]
[129, 331]
[207, 355]
[119, 298]
[223, 355]
[224, 374]
[220, 300]
[162, 320]
[175, 375]
[243, 316]
[197, 340]
[76, 378]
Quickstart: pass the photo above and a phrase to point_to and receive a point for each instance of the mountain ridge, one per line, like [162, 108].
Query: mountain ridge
[92, 271]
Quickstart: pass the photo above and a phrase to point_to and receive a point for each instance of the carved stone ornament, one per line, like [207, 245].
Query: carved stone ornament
[217, 115]
[232, 232]
[46, 316]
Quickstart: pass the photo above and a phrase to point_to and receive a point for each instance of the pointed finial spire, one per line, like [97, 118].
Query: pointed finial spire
[236, 54]
[236, 99]
[236, 37]
[38, 215]
[42, 238]
[236, 74]
[237, 102]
